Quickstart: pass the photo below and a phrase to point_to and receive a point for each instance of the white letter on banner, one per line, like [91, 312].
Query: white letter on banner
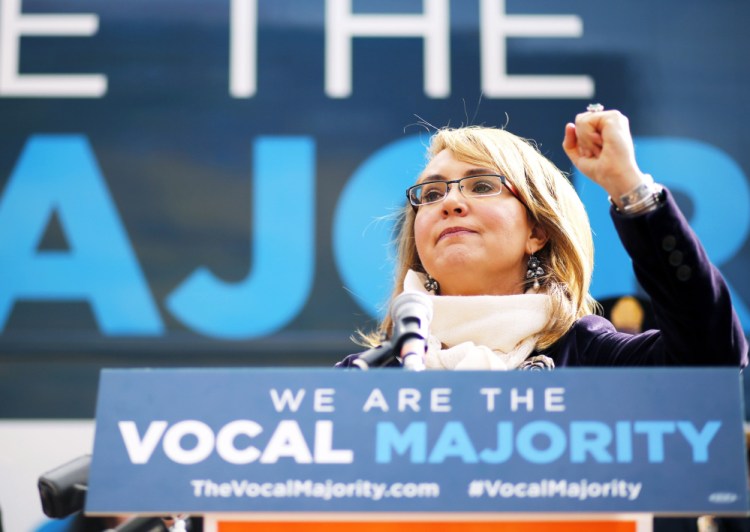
[140, 450]
[225, 441]
[286, 399]
[202, 449]
[324, 451]
[323, 400]
[376, 399]
[553, 400]
[496, 27]
[14, 25]
[440, 400]
[287, 440]
[408, 397]
[243, 48]
[342, 26]
[491, 393]
[516, 400]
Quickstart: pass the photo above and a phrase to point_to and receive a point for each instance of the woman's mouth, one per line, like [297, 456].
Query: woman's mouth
[454, 231]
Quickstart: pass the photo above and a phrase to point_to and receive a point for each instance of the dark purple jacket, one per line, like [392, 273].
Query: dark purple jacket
[697, 325]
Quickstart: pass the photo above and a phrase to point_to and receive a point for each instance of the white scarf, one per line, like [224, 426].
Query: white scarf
[482, 332]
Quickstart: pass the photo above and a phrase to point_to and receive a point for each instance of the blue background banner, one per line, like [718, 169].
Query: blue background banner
[244, 440]
[195, 182]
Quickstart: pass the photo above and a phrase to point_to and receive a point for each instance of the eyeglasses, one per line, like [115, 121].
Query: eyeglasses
[475, 186]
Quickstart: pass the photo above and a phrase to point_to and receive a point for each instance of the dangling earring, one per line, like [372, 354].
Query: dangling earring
[431, 285]
[534, 270]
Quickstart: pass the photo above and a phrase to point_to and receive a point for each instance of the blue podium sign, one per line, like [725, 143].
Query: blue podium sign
[301, 440]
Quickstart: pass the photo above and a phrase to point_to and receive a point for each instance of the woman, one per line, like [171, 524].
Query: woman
[497, 236]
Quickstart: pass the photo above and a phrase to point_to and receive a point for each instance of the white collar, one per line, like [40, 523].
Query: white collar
[482, 332]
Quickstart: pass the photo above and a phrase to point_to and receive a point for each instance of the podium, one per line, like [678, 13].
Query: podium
[266, 449]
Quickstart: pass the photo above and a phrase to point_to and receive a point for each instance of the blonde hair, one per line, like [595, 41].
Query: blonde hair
[551, 202]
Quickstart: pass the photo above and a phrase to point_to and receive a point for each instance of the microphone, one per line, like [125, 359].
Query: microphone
[375, 357]
[411, 314]
[63, 490]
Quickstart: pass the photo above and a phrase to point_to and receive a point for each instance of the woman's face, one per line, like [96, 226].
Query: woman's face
[473, 246]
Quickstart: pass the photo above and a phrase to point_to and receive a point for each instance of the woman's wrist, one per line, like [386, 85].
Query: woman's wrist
[644, 197]
[624, 182]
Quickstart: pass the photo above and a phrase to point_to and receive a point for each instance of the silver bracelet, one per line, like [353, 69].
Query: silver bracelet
[646, 197]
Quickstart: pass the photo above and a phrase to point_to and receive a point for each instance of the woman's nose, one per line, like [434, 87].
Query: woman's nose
[454, 200]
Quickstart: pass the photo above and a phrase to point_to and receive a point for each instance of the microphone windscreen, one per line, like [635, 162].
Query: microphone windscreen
[412, 306]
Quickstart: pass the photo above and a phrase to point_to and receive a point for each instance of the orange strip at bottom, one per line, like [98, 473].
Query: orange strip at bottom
[411, 526]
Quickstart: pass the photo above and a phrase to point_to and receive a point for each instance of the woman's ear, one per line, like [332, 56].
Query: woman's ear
[537, 239]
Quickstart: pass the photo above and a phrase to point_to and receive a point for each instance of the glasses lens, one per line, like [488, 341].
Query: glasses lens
[482, 185]
[429, 193]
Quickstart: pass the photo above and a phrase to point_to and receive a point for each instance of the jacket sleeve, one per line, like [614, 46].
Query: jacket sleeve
[697, 324]
[348, 361]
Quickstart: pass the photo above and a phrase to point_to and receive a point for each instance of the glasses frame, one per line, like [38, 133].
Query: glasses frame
[504, 180]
